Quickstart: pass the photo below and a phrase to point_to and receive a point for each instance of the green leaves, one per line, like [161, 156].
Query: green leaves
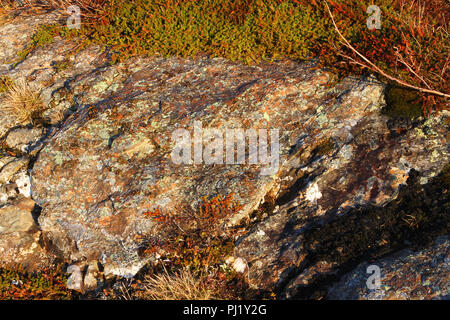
[245, 30]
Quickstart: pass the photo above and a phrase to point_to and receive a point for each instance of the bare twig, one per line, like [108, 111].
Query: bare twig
[400, 58]
[370, 65]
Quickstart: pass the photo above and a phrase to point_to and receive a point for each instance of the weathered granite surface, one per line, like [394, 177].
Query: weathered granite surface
[20, 237]
[407, 275]
[367, 170]
[111, 162]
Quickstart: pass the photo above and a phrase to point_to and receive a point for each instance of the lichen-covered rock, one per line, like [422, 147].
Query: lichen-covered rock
[111, 162]
[14, 178]
[24, 139]
[9, 166]
[20, 237]
[15, 36]
[418, 275]
[47, 67]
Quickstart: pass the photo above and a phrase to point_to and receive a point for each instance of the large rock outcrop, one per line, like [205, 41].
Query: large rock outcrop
[112, 161]
[105, 157]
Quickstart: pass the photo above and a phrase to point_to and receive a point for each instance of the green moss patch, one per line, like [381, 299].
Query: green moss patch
[402, 103]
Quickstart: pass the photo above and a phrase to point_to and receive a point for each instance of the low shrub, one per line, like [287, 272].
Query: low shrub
[196, 239]
[411, 46]
[18, 284]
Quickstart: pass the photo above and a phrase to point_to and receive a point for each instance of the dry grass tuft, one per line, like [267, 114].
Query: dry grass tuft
[179, 286]
[22, 102]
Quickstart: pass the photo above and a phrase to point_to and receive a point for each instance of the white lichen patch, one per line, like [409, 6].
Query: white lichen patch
[346, 152]
[127, 272]
[24, 184]
[313, 193]
[240, 265]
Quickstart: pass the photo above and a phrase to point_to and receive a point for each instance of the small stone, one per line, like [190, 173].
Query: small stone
[90, 280]
[17, 217]
[22, 138]
[240, 265]
[8, 171]
[20, 237]
[75, 281]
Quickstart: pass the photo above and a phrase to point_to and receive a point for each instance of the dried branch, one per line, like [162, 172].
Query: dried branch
[400, 58]
[370, 65]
